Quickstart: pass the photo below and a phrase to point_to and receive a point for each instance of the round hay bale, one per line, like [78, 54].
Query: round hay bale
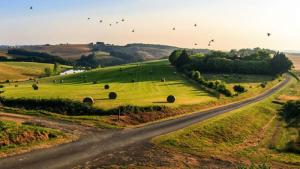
[171, 99]
[88, 100]
[112, 95]
[16, 85]
[35, 86]
[106, 87]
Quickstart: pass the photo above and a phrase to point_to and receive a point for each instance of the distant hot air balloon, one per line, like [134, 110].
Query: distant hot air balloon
[31, 8]
[195, 25]
[123, 20]
[133, 31]
[101, 21]
[269, 34]
[174, 29]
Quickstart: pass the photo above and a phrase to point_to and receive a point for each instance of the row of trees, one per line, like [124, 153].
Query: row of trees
[30, 56]
[258, 62]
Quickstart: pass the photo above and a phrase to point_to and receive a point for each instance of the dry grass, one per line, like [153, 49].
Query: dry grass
[296, 60]
[66, 51]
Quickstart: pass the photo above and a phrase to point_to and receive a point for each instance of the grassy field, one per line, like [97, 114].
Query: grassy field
[18, 71]
[14, 137]
[66, 51]
[254, 133]
[147, 88]
[296, 60]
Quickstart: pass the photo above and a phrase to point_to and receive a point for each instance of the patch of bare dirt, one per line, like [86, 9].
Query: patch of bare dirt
[147, 155]
[288, 98]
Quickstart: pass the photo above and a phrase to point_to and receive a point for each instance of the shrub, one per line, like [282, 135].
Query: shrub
[16, 85]
[95, 82]
[163, 79]
[61, 81]
[1, 86]
[171, 99]
[35, 86]
[112, 95]
[1, 91]
[88, 100]
[239, 88]
[106, 87]
[132, 81]
[263, 85]
[7, 81]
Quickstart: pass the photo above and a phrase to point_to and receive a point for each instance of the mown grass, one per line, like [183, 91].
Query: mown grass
[18, 71]
[251, 133]
[146, 90]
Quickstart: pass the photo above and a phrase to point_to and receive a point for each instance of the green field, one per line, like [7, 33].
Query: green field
[253, 133]
[147, 88]
[17, 71]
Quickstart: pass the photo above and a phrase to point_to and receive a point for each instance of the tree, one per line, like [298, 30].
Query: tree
[56, 69]
[239, 89]
[174, 56]
[183, 59]
[47, 71]
[280, 63]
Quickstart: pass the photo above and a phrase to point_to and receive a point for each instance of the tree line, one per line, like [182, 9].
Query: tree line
[31, 56]
[256, 61]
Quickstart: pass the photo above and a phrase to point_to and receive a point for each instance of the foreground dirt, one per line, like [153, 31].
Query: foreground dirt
[147, 155]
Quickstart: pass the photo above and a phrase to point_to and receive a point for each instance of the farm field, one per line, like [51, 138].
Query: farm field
[18, 71]
[254, 133]
[296, 60]
[147, 88]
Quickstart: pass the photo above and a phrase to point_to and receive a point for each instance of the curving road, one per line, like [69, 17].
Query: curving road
[89, 146]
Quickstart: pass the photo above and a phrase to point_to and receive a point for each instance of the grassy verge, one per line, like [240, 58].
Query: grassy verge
[18, 137]
[237, 136]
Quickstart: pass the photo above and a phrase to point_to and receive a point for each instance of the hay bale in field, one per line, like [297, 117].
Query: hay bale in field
[171, 99]
[106, 87]
[16, 85]
[88, 100]
[112, 95]
[35, 86]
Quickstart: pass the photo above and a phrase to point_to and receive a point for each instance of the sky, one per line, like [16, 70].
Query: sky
[233, 24]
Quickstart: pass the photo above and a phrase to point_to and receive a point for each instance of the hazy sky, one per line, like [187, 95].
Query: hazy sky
[232, 23]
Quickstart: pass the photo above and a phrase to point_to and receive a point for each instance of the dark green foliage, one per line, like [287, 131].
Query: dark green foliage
[112, 95]
[88, 100]
[256, 61]
[171, 99]
[1, 86]
[106, 87]
[174, 56]
[291, 110]
[30, 56]
[35, 86]
[280, 64]
[72, 108]
[263, 85]
[239, 88]
[61, 106]
[95, 82]
[163, 79]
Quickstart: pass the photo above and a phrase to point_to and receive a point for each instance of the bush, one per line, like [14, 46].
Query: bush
[239, 89]
[263, 85]
[61, 81]
[95, 82]
[163, 79]
[1, 86]
[171, 99]
[35, 86]
[16, 85]
[1, 91]
[88, 100]
[106, 87]
[132, 81]
[112, 95]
